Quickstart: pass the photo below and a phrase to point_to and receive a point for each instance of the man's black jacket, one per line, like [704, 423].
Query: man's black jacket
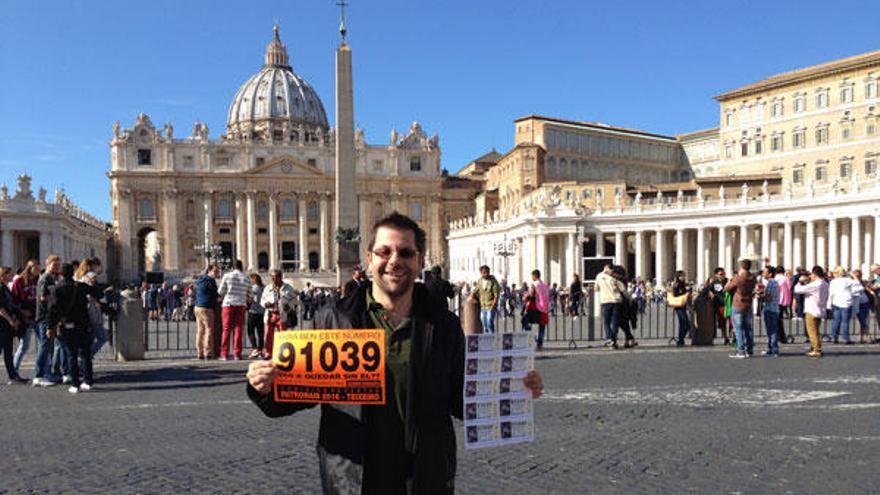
[70, 304]
[434, 395]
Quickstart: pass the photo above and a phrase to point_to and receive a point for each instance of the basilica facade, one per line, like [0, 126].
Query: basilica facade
[789, 176]
[263, 191]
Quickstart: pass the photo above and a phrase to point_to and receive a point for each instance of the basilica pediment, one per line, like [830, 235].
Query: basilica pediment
[286, 167]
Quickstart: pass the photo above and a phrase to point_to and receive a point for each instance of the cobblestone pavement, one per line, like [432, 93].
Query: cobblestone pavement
[653, 420]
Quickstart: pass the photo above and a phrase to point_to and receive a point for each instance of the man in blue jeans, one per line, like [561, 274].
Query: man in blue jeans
[487, 290]
[42, 367]
[771, 311]
[743, 288]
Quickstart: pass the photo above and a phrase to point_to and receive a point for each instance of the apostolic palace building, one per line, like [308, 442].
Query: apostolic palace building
[789, 175]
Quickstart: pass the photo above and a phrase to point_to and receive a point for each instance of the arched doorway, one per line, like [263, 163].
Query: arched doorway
[149, 256]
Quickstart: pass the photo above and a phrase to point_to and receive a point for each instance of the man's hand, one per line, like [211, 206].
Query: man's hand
[533, 382]
[261, 374]
[50, 334]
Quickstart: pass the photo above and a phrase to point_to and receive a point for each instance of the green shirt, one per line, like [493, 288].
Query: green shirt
[385, 451]
[487, 290]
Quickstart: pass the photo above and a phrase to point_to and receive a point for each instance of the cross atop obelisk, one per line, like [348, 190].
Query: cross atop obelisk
[346, 213]
[342, 30]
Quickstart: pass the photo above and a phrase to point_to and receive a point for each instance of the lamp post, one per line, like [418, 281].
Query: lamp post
[213, 254]
[505, 249]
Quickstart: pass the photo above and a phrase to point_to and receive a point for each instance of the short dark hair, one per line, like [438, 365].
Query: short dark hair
[770, 269]
[485, 267]
[780, 269]
[745, 264]
[536, 273]
[718, 270]
[818, 271]
[67, 271]
[238, 265]
[400, 222]
[436, 270]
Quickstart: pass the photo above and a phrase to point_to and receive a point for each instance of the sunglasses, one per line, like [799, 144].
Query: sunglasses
[404, 254]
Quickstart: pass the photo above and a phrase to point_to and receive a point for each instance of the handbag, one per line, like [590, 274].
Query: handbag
[532, 316]
[676, 301]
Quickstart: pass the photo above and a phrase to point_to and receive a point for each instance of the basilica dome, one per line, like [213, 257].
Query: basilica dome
[276, 104]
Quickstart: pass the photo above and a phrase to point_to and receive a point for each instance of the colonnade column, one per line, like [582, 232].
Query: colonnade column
[324, 234]
[45, 247]
[639, 270]
[832, 243]
[786, 244]
[701, 254]
[821, 245]
[578, 256]
[765, 241]
[810, 238]
[600, 244]
[723, 247]
[855, 241]
[251, 231]
[619, 248]
[660, 256]
[774, 245]
[542, 261]
[843, 249]
[869, 245]
[797, 247]
[273, 233]
[679, 249]
[571, 252]
[876, 238]
[7, 253]
[303, 234]
[743, 242]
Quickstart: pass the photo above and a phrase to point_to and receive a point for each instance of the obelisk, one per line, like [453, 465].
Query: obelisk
[346, 213]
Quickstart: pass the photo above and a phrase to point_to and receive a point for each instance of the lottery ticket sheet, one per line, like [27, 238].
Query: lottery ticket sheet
[497, 406]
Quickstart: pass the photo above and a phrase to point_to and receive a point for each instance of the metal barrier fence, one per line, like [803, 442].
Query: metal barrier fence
[656, 321]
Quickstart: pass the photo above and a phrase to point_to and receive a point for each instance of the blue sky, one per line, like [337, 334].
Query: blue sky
[463, 68]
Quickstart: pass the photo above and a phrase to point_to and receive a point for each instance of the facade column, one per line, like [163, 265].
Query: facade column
[251, 231]
[578, 256]
[435, 231]
[855, 240]
[843, 250]
[171, 260]
[542, 260]
[365, 223]
[620, 248]
[701, 254]
[325, 234]
[209, 218]
[639, 270]
[810, 239]
[786, 244]
[833, 241]
[821, 245]
[7, 252]
[273, 232]
[765, 241]
[303, 234]
[600, 244]
[127, 257]
[868, 245]
[723, 247]
[45, 246]
[743, 243]
[660, 257]
[572, 252]
[679, 249]
[240, 239]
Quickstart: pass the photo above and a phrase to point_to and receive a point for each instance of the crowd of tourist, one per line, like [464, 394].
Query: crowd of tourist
[62, 307]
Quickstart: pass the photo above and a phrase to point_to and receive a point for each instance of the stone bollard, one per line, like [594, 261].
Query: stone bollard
[470, 321]
[129, 338]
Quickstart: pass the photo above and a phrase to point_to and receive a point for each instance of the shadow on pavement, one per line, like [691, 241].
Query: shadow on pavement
[170, 377]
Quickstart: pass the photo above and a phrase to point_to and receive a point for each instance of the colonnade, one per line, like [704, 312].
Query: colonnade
[655, 253]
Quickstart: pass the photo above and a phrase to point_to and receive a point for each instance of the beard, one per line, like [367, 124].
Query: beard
[394, 284]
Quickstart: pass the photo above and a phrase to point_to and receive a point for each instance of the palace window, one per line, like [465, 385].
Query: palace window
[800, 103]
[870, 167]
[821, 173]
[822, 135]
[759, 146]
[846, 93]
[378, 165]
[822, 98]
[587, 194]
[415, 164]
[312, 210]
[147, 211]
[312, 162]
[415, 211]
[188, 161]
[846, 132]
[262, 210]
[871, 128]
[728, 150]
[744, 148]
[777, 109]
[776, 143]
[728, 119]
[224, 209]
[288, 209]
[799, 138]
[797, 176]
[260, 160]
[871, 87]
[145, 157]
[222, 161]
[845, 169]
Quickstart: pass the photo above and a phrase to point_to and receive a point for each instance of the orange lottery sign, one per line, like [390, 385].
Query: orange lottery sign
[338, 366]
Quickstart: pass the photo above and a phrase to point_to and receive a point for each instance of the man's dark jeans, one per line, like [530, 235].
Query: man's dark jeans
[45, 350]
[78, 346]
[683, 324]
[610, 318]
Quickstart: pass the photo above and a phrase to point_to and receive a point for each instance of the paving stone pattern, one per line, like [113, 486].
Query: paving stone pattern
[653, 420]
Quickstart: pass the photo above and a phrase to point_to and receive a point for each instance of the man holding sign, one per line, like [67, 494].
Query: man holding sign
[406, 444]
